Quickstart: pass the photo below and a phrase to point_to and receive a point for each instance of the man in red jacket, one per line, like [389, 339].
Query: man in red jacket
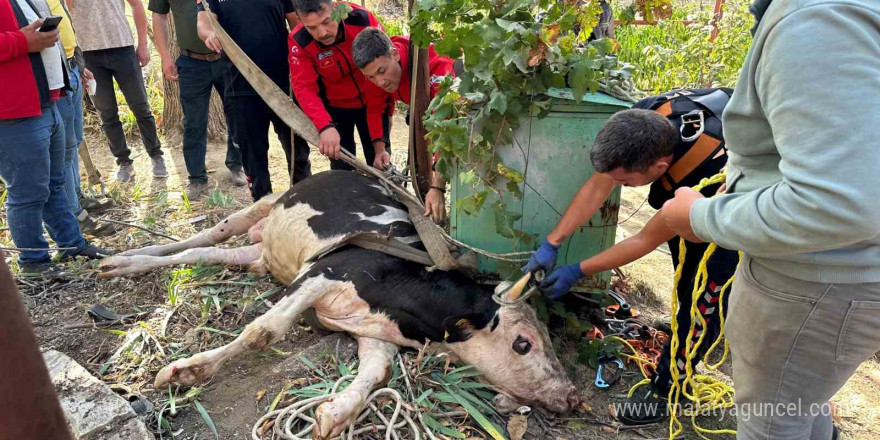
[33, 72]
[386, 63]
[331, 91]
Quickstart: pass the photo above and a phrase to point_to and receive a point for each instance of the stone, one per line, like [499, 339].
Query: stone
[93, 410]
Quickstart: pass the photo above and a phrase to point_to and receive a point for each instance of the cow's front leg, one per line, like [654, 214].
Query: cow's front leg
[236, 224]
[333, 416]
[263, 332]
[119, 265]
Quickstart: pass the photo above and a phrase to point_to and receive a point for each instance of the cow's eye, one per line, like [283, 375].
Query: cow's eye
[521, 345]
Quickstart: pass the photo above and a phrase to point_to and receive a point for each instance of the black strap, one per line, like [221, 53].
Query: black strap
[714, 102]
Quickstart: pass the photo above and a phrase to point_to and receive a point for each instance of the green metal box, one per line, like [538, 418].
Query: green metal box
[553, 153]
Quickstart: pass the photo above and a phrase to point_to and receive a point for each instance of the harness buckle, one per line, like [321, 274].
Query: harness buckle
[693, 120]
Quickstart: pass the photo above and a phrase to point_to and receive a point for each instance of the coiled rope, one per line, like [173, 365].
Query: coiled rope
[706, 393]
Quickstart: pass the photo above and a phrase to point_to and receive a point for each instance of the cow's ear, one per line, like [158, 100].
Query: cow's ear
[460, 328]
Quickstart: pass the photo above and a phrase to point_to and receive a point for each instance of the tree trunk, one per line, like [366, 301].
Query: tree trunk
[172, 116]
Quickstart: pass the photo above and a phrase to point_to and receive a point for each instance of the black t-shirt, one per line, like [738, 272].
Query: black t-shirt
[259, 27]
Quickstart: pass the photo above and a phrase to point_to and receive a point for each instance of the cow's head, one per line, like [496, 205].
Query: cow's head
[513, 351]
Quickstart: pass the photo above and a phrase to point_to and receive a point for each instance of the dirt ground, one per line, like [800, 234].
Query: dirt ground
[186, 311]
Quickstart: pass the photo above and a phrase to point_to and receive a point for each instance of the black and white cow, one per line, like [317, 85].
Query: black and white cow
[383, 301]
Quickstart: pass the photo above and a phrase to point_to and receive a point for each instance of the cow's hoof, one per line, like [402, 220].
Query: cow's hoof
[334, 416]
[185, 372]
[117, 266]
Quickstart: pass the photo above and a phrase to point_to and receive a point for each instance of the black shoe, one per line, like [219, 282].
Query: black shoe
[91, 252]
[646, 406]
[46, 269]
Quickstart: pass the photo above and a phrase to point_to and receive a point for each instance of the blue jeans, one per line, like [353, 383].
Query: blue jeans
[196, 78]
[32, 164]
[71, 110]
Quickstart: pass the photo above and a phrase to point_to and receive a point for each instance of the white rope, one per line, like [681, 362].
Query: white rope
[287, 418]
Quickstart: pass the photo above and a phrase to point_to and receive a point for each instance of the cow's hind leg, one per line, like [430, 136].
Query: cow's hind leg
[130, 264]
[374, 369]
[236, 224]
[263, 332]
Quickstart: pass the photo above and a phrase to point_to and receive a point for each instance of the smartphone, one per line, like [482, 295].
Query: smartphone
[50, 23]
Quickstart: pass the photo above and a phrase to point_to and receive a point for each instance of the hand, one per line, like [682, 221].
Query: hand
[213, 43]
[169, 69]
[328, 143]
[143, 54]
[383, 159]
[561, 280]
[543, 258]
[435, 205]
[677, 213]
[36, 40]
[87, 76]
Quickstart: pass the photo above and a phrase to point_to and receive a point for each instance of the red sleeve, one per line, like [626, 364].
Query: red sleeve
[13, 44]
[374, 22]
[440, 67]
[378, 104]
[304, 83]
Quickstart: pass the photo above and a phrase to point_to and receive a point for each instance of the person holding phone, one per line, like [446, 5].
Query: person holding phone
[34, 77]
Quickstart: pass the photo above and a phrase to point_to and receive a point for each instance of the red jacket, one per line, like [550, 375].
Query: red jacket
[24, 88]
[327, 73]
[438, 66]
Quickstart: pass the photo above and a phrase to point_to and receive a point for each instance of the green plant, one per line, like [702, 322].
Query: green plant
[514, 51]
[393, 26]
[218, 199]
[672, 54]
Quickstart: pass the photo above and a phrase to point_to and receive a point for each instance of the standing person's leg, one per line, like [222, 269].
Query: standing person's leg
[219, 73]
[345, 123]
[105, 102]
[66, 107]
[57, 216]
[299, 152]
[794, 344]
[127, 71]
[24, 166]
[251, 118]
[194, 78]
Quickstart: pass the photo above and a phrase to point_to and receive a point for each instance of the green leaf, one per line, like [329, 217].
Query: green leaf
[504, 219]
[510, 26]
[498, 101]
[473, 203]
[207, 418]
[340, 11]
[485, 423]
[437, 426]
[579, 78]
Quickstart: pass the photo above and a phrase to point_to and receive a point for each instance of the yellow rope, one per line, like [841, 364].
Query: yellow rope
[706, 393]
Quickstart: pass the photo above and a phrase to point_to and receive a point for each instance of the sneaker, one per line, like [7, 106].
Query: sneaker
[96, 206]
[239, 178]
[46, 269]
[126, 173]
[196, 190]
[644, 407]
[90, 252]
[159, 169]
[90, 226]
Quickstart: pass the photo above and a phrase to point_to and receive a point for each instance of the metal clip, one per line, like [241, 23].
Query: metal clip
[693, 118]
[600, 379]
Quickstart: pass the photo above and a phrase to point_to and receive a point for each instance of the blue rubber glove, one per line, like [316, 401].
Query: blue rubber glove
[543, 258]
[561, 280]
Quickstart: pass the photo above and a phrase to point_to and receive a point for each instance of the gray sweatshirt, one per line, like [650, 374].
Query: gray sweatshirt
[803, 133]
